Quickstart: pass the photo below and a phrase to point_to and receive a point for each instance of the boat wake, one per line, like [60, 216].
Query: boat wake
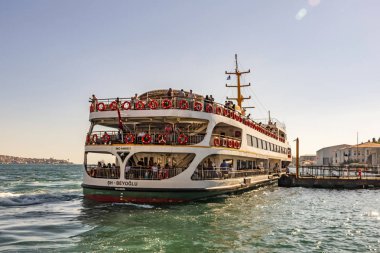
[18, 199]
[134, 205]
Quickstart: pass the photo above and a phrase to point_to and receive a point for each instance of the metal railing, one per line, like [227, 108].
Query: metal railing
[103, 172]
[147, 173]
[111, 104]
[342, 172]
[219, 173]
[161, 138]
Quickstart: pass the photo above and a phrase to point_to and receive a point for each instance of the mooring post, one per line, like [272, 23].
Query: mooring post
[297, 158]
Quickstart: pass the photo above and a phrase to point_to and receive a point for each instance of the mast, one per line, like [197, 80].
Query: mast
[240, 97]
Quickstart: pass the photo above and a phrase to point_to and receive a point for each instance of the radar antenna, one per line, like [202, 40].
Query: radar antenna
[240, 98]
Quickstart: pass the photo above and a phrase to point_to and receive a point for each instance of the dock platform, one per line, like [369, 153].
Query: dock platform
[333, 177]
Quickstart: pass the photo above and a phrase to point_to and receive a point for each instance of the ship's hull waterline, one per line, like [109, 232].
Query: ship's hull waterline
[171, 195]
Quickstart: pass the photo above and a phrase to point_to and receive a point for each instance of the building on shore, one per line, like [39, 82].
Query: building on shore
[364, 153]
[326, 156]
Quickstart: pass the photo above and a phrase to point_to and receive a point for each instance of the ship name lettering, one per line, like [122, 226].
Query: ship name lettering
[126, 183]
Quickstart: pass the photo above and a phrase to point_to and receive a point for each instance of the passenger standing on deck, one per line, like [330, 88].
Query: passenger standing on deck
[154, 171]
[94, 102]
[170, 93]
[134, 100]
[181, 93]
[191, 97]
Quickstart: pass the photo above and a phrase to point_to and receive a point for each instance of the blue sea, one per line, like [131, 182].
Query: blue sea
[42, 210]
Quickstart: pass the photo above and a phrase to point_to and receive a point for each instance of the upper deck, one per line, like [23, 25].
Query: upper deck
[158, 104]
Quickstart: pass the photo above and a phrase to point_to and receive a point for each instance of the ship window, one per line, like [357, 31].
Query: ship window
[157, 166]
[259, 143]
[250, 165]
[249, 140]
[102, 165]
[238, 165]
[254, 142]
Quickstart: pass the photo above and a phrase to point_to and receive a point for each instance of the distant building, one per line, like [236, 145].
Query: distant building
[365, 153]
[327, 155]
[306, 160]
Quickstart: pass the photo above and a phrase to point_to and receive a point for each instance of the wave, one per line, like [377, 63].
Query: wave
[18, 199]
[133, 204]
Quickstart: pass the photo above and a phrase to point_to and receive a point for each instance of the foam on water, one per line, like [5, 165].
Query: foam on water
[18, 199]
[134, 205]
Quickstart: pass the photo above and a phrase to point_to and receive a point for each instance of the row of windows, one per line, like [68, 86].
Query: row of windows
[266, 145]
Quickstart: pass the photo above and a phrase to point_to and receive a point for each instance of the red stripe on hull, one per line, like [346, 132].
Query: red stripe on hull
[114, 199]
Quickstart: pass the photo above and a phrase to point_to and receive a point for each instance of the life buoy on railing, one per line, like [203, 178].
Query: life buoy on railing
[209, 108]
[184, 104]
[232, 114]
[224, 142]
[139, 105]
[225, 112]
[106, 138]
[161, 138]
[219, 110]
[216, 142]
[153, 104]
[113, 106]
[237, 144]
[146, 139]
[126, 105]
[198, 106]
[230, 143]
[129, 138]
[101, 107]
[88, 139]
[182, 139]
[94, 138]
[166, 104]
[236, 116]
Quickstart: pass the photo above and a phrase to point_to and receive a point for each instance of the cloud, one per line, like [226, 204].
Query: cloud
[301, 14]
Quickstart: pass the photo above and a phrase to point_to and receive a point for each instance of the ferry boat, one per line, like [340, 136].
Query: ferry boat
[167, 146]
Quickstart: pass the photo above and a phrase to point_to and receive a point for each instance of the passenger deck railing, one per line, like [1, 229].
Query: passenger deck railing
[147, 173]
[219, 173]
[342, 172]
[103, 172]
[181, 103]
[161, 138]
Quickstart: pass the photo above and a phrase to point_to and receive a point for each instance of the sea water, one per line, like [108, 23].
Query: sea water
[42, 210]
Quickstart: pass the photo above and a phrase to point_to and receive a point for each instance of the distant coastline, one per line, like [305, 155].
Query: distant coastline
[5, 159]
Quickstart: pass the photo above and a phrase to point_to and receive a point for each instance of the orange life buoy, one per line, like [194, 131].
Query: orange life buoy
[198, 106]
[225, 112]
[94, 138]
[161, 138]
[166, 104]
[224, 142]
[232, 115]
[129, 138]
[184, 104]
[237, 144]
[209, 108]
[219, 110]
[216, 142]
[182, 139]
[106, 138]
[101, 107]
[139, 105]
[113, 106]
[123, 105]
[230, 143]
[153, 104]
[146, 139]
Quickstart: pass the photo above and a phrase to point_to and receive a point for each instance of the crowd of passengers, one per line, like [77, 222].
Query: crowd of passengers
[104, 170]
[209, 99]
[190, 96]
[150, 170]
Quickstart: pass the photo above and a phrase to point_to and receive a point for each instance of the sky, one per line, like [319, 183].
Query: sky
[314, 64]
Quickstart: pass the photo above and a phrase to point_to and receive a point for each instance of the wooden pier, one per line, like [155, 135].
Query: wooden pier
[333, 177]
